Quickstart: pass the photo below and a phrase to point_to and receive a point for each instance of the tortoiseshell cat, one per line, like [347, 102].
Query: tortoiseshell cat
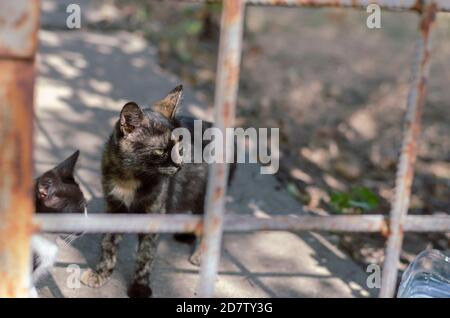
[55, 191]
[139, 176]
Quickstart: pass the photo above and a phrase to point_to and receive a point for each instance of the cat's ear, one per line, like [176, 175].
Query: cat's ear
[131, 117]
[169, 105]
[67, 167]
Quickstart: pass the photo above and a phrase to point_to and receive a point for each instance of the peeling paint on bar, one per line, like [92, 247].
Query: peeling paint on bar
[413, 5]
[19, 20]
[119, 223]
[405, 169]
[224, 112]
[178, 223]
[18, 31]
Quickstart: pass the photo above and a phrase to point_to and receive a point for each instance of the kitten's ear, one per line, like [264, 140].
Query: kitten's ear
[67, 167]
[168, 106]
[131, 117]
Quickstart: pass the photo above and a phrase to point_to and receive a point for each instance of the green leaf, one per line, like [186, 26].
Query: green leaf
[360, 199]
[339, 201]
[366, 197]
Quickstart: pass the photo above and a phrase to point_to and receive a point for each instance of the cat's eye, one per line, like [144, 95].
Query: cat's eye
[158, 152]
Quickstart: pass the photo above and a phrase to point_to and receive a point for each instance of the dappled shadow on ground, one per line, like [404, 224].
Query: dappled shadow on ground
[317, 267]
[84, 79]
[338, 91]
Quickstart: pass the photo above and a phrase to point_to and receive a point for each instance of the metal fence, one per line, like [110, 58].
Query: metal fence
[19, 23]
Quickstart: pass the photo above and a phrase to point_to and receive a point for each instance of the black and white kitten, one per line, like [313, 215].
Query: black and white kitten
[56, 191]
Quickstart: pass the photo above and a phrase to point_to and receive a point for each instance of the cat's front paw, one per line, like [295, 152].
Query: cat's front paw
[93, 279]
[139, 291]
[194, 259]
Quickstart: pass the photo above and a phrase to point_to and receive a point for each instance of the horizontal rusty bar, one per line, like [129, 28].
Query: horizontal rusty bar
[120, 223]
[414, 5]
[178, 223]
[19, 24]
[422, 223]
[411, 5]
[342, 223]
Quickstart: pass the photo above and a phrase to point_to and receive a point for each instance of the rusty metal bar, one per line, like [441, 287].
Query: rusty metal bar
[341, 223]
[18, 35]
[179, 223]
[118, 223]
[18, 28]
[427, 223]
[405, 169]
[224, 112]
[413, 5]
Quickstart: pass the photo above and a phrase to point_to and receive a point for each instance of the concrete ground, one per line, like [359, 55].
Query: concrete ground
[84, 80]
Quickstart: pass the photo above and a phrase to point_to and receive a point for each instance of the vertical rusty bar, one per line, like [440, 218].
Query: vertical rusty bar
[405, 172]
[224, 113]
[19, 22]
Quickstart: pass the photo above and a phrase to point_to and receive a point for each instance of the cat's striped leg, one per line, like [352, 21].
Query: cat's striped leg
[140, 288]
[108, 260]
[195, 258]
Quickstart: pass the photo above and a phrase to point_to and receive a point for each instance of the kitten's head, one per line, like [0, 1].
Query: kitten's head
[57, 191]
[144, 136]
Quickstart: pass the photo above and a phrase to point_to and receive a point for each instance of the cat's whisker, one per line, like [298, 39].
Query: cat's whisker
[66, 240]
[72, 237]
[69, 239]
